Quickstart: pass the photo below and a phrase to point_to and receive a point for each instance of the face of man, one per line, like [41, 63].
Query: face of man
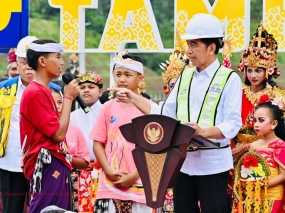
[13, 69]
[26, 73]
[200, 54]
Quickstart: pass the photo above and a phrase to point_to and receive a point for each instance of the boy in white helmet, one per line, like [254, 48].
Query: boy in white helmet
[14, 186]
[208, 98]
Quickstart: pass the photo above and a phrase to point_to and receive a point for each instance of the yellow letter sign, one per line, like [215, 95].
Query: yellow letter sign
[70, 19]
[7, 7]
[234, 14]
[274, 20]
[131, 21]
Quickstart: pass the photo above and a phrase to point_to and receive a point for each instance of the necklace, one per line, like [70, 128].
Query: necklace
[252, 97]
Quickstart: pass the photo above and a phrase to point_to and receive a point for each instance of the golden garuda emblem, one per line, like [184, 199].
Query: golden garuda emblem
[153, 133]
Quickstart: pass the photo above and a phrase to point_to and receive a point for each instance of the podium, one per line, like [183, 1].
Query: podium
[160, 152]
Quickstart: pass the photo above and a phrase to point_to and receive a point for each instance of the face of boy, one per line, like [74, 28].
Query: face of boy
[54, 64]
[126, 78]
[26, 73]
[58, 100]
[90, 93]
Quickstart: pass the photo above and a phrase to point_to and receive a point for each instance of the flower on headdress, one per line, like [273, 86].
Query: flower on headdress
[166, 90]
[264, 99]
[249, 161]
[241, 66]
[278, 102]
[270, 71]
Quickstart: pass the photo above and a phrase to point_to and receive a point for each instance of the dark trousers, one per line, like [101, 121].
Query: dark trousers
[14, 188]
[210, 190]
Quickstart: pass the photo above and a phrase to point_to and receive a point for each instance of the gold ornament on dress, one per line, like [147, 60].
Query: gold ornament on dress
[247, 191]
[261, 52]
[176, 62]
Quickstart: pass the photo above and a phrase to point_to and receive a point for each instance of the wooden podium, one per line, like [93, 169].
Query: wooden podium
[160, 152]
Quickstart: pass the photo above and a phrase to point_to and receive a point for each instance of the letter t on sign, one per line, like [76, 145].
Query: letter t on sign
[70, 15]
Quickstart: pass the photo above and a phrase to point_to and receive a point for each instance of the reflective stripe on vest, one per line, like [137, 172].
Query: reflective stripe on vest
[182, 110]
[207, 115]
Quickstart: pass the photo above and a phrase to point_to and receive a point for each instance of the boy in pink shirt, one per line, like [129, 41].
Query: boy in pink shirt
[120, 188]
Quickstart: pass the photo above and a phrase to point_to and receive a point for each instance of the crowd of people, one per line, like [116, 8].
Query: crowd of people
[55, 160]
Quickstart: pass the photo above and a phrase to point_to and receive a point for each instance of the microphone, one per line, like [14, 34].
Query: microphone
[67, 78]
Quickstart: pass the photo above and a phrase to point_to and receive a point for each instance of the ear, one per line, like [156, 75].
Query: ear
[141, 78]
[100, 92]
[212, 48]
[274, 123]
[41, 61]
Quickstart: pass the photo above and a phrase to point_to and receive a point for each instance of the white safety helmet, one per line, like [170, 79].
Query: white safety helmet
[203, 25]
[21, 50]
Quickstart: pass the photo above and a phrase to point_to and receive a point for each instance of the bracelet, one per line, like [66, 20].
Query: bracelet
[68, 97]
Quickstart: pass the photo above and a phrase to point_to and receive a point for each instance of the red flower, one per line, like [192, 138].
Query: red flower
[97, 165]
[249, 161]
[264, 99]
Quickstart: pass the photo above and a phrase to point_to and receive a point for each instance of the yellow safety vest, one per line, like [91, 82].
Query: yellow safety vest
[7, 100]
[207, 115]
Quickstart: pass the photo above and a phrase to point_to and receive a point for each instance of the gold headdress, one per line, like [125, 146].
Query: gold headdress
[176, 62]
[261, 52]
[90, 77]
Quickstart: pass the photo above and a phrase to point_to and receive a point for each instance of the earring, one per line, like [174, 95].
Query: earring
[112, 93]
[141, 87]
[272, 127]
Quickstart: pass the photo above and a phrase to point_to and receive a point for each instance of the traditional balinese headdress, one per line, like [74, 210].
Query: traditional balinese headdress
[261, 52]
[176, 62]
[90, 77]
[227, 53]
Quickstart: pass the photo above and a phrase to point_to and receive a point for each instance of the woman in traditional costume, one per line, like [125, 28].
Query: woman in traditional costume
[259, 66]
[260, 173]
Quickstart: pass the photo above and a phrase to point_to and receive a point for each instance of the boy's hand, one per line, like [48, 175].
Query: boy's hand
[113, 176]
[72, 90]
[126, 180]
[123, 95]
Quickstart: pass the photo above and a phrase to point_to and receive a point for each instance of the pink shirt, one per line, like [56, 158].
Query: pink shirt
[118, 151]
[76, 143]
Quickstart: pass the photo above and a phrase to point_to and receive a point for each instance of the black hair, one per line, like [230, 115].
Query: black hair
[270, 81]
[33, 56]
[217, 41]
[277, 114]
[133, 57]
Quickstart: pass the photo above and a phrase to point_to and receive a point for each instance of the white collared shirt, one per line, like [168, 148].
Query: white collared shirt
[13, 153]
[85, 122]
[228, 120]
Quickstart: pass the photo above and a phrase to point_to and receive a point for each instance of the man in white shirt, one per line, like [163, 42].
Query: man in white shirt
[208, 98]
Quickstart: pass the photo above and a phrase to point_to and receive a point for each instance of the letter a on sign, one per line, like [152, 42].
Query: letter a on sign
[235, 16]
[69, 23]
[131, 21]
